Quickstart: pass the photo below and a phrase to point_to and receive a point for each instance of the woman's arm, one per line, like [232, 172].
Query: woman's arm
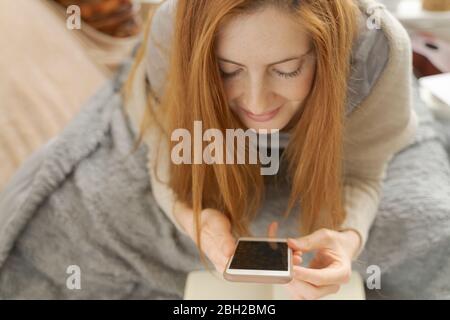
[159, 178]
[383, 125]
[375, 134]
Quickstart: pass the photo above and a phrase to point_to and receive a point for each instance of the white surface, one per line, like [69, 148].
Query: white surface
[435, 92]
[203, 285]
[439, 85]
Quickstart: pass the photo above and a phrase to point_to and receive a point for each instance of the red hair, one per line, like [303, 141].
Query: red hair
[194, 92]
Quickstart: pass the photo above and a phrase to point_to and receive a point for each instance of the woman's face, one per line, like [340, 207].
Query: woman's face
[265, 69]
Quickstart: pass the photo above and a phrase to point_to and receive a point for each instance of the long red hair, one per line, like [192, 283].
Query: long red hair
[194, 91]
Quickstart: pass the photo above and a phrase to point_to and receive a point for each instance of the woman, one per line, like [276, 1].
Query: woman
[338, 90]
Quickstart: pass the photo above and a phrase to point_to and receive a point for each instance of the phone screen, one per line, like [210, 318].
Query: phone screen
[260, 255]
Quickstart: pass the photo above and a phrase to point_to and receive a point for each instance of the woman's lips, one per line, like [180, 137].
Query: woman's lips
[261, 117]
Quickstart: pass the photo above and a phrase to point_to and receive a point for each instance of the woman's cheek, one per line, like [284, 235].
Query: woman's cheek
[231, 88]
[296, 89]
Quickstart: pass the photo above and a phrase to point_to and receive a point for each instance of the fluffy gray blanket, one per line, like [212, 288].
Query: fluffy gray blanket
[410, 238]
[85, 200]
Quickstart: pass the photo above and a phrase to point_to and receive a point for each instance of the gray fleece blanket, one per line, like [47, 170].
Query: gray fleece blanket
[410, 238]
[85, 200]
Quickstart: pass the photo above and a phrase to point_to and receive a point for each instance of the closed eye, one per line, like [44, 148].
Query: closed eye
[227, 75]
[289, 75]
[286, 75]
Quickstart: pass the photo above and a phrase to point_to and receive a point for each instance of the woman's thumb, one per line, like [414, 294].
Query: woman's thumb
[229, 245]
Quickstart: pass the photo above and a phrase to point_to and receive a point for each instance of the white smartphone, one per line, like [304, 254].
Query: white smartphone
[263, 260]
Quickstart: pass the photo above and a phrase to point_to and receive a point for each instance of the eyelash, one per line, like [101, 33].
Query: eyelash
[290, 75]
[293, 74]
[230, 75]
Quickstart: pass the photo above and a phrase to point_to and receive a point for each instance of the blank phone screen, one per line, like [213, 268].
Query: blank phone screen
[261, 255]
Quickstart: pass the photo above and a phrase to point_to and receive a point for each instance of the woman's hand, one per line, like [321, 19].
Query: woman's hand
[330, 267]
[217, 241]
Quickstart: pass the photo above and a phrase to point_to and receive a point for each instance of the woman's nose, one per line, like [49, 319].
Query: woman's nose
[256, 97]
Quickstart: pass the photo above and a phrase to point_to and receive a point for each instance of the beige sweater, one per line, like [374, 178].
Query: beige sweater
[383, 124]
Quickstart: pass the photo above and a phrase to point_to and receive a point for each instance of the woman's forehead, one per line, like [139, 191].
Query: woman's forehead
[264, 36]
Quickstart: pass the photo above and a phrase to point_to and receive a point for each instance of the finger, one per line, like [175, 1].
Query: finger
[301, 290]
[219, 250]
[227, 245]
[220, 261]
[321, 277]
[319, 239]
[297, 260]
[219, 254]
[272, 230]
[217, 261]
[220, 267]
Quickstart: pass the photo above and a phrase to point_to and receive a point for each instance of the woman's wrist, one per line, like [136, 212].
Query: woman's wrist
[352, 242]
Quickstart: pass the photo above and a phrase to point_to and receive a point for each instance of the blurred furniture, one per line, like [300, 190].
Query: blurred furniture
[413, 16]
[428, 23]
[436, 5]
[203, 285]
[48, 73]
[117, 18]
[431, 55]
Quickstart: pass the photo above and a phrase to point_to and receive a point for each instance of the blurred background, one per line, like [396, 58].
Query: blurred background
[48, 71]
[428, 24]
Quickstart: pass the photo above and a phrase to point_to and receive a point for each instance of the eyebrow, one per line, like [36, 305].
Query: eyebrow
[271, 64]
